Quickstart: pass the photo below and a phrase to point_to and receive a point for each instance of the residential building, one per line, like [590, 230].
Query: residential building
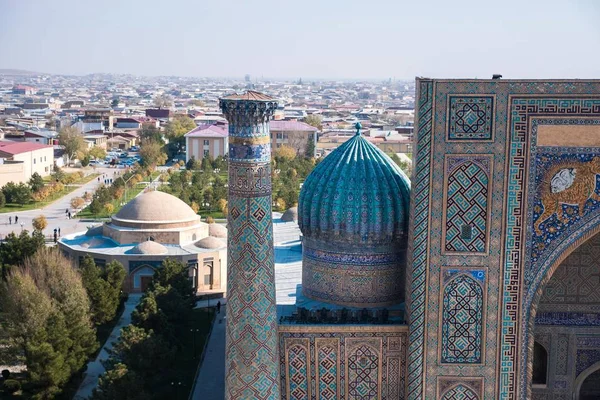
[22, 159]
[294, 134]
[206, 140]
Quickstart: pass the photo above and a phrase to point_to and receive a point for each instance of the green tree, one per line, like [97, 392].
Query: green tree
[2, 199]
[39, 223]
[97, 152]
[15, 249]
[98, 290]
[314, 120]
[163, 101]
[149, 131]
[45, 315]
[120, 383]
[192, 164]
[310, 148]
[176, 129]
[54, 274]
[72, 140]
[36, 182]
[152, 154]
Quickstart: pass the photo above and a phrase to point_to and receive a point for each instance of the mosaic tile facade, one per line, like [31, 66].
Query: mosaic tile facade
[471, 118]
[466, 212]
[456, 388]
[460, 392]
[252, 349]
[462, 316]
[365, 276]
[345, 362]
[515, 107]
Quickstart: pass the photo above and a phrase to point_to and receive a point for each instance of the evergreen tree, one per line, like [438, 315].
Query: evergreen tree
[103, 288]
[36, 182]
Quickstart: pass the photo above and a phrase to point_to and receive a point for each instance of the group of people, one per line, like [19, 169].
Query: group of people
[16, 220]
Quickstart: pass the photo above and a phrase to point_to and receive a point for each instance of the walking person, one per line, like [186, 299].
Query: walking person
[58, 232]
[219, 307]
[17, 219]
[10, 220]
[69, 215]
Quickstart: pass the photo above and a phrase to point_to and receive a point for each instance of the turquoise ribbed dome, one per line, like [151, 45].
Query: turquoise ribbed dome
[356, 194]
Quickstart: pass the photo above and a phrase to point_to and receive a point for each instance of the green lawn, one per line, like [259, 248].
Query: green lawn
[117, 204]
[11, 207]
[216, 214]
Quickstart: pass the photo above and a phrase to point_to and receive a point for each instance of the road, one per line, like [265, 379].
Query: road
[54, 212]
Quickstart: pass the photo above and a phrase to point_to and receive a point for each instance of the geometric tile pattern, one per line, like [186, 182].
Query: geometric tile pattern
[327, 357]
[365, 276]
[363, 367]
[418, 241]
[345, 362]
[460, 392]
[252, 357]
[462, 321]
[298, 366]
[467, 205]
[471, 118]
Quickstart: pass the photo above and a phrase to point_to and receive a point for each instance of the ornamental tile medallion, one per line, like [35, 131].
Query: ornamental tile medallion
[470, 118]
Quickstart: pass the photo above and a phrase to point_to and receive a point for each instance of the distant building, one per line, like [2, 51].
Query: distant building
[42, 136]
[19, 160]
[135, 122]
[294, 134]
[96, 119]
[73, 104]
[206, 140]
[22, 89]
[158, 113]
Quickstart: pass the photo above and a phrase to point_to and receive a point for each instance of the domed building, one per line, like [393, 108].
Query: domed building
[353, 214]
[150, 228]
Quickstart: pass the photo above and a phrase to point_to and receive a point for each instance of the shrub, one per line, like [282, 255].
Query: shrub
[210, 220]
[77, 202]
[109, 208]
[39, 223]
[2, 199]
[5, 374]
[12, 386]
[194, 206]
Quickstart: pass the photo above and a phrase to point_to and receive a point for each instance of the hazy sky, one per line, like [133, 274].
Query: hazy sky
[304, 38]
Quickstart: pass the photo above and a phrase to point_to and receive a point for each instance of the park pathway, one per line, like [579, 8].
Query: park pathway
[95, 368]
[54, 212]
[210, 381]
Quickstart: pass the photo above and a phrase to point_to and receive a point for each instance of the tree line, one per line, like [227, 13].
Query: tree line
[148, 354]
[49, 312]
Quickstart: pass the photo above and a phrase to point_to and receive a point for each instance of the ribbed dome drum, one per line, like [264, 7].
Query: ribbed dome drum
[353, 214]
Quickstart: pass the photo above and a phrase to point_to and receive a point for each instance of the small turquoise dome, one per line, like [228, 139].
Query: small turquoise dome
[358, 193]
[353, 213]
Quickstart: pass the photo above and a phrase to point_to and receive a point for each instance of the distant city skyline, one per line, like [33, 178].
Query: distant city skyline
[310, 40]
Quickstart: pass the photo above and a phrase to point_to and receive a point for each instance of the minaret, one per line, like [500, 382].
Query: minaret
[252, 360]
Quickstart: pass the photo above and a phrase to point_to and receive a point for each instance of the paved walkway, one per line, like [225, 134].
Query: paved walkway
[54, 212]
[95, 368]
[210, 382]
